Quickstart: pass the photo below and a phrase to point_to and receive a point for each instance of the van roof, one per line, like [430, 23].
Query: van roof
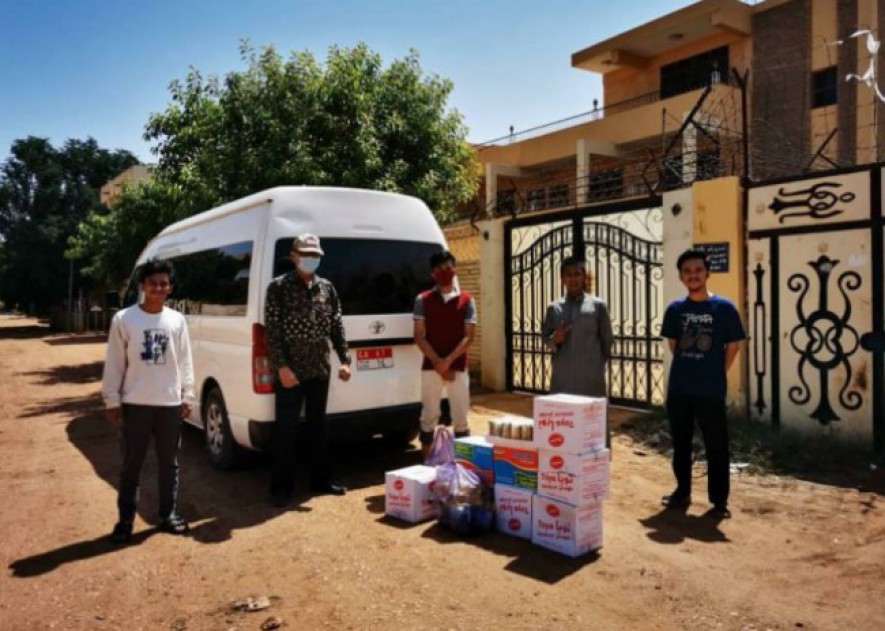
[279, 193]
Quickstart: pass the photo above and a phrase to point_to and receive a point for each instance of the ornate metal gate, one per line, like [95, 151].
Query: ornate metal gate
[817, 317]
[623, 250]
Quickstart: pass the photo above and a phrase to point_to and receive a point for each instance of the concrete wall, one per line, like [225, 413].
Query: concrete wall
[718, 218]
[709, 212]
[492, 305]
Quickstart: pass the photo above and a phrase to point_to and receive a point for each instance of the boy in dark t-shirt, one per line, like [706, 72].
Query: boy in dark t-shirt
[704, 333]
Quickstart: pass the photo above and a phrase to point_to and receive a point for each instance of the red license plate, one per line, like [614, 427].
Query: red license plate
[374, 358]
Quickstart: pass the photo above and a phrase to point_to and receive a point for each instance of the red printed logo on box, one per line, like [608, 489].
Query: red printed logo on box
[514, 524]
[556, 440]
[553, 510]
[398, 485]
[557, 462]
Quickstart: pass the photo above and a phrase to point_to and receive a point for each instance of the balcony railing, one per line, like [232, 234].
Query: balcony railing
[561, 192]
[586, 117]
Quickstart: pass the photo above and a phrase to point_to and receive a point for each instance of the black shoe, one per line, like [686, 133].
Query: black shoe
[174, 525]
[329, 488]
[676, 501]
[122, 532]
[719, 511]
[280, 498]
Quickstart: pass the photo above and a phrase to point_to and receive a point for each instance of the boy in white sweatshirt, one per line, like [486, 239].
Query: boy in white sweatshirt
[148, 387]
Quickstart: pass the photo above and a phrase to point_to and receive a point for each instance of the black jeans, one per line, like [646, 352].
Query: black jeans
[140, 422]
[300, 441]
[709, 413]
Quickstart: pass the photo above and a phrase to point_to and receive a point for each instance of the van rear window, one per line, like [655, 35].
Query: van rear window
[372, 276]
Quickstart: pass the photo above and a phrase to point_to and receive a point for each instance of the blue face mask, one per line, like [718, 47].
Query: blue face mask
[308, 265]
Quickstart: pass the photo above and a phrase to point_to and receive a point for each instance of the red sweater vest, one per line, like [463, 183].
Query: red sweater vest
[444, 326]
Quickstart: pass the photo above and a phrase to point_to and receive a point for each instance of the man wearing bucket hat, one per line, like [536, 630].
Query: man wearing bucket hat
[302, 315]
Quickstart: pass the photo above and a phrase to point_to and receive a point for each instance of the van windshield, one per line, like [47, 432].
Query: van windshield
[372, 276]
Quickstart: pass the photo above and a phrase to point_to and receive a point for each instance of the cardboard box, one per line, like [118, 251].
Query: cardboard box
[570, 423]
[516, 467]
[576, 479]
[409, 493]
[570, 530]
[475, 453]
[513, 508]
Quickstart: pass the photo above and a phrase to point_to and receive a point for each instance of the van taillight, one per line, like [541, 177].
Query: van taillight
[262, 370]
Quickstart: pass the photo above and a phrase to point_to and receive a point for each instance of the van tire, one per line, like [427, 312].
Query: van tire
[223, 451]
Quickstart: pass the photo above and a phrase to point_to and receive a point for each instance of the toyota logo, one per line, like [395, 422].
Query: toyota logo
[377, 327]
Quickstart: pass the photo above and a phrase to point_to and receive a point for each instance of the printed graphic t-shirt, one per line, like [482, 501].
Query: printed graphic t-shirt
[701, 330]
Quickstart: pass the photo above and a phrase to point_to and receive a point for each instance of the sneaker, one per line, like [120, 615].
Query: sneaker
[174, 525]
[122, 532]
[676, 501]
[719, 511]
[328, 488]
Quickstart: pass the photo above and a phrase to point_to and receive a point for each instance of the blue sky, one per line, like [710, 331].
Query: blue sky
[78, 68]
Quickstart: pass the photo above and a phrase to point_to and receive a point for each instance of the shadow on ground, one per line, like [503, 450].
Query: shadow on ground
[675, 526]
[27, 330]
[527, 560]
[68, 339]
[77, 374]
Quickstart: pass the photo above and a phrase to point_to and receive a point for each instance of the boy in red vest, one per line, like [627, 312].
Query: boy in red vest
[445, 324]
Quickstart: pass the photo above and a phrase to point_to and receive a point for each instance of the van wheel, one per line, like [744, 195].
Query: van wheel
[223, 451]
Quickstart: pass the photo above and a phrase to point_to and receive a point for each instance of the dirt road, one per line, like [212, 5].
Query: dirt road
[795, 555]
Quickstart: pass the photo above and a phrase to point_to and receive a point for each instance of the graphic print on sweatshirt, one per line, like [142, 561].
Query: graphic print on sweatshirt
[697, 335]
[154, 346]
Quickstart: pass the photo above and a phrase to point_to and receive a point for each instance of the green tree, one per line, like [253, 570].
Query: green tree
[44, 194]
[108, 242]
[351, 122]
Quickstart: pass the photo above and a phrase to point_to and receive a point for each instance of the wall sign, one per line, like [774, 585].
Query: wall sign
[717, 256]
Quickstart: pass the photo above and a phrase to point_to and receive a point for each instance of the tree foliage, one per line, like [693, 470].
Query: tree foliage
[108, 242]
[351, 122]
[44, 194]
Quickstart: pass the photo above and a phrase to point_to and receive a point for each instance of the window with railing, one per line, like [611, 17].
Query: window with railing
[536, 199]
[672, 173]
[607, 184]
[558, 195]
[506, 202]
[694, 72]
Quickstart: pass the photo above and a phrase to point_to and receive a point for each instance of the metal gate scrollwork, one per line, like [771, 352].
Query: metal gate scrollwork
[625, 270]
[824, 339]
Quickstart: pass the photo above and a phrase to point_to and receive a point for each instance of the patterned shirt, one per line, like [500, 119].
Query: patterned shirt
[300, 322]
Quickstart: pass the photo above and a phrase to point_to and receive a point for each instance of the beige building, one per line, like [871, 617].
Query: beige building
[739, 127]
[133, 175]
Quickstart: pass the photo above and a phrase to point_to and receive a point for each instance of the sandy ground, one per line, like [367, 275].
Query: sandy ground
[796, 554]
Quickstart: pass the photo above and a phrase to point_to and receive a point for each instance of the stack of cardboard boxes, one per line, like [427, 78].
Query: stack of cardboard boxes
[573, 473]
[550, 476]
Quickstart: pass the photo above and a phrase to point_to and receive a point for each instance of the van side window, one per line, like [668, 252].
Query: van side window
[213, 282]
[130, 297]
[372, 276]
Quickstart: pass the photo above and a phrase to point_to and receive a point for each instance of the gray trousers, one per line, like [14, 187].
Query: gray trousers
[140, 423]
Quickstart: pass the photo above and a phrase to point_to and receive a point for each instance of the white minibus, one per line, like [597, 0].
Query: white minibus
[377, 250]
